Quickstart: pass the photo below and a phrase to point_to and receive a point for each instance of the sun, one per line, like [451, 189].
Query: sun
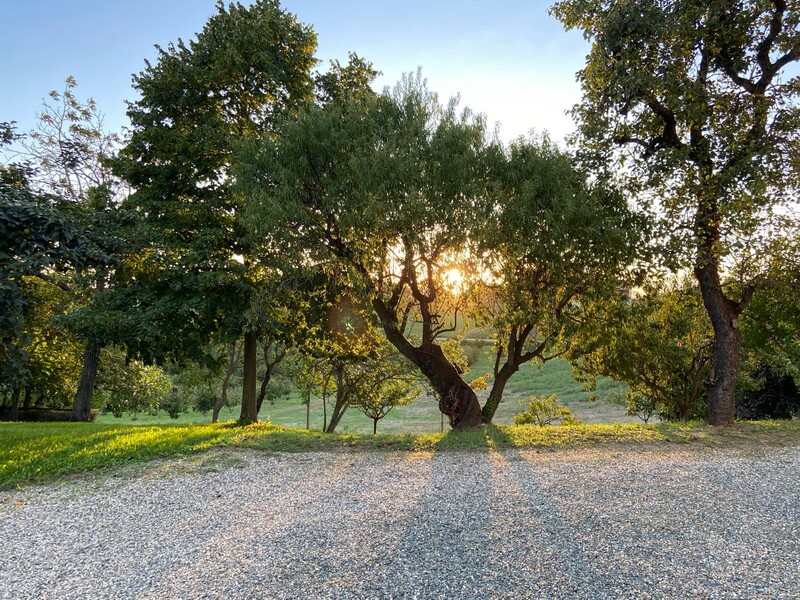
[454, 280]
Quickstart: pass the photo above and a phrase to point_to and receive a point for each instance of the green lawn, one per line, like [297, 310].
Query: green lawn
[35, 452]
[423, 415]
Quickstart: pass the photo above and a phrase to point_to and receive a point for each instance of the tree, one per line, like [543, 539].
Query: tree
[545, 411]
[67, 155]
[552, 243]
[657, 341]
[193, 272]
[692, 98]
[38, 241]
[69, 149]
[384, 386]
[382, 190]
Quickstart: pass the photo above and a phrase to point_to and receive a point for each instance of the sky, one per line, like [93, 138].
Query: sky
[507, 59]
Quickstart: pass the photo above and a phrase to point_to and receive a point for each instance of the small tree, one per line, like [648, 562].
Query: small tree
[546, 410]
[657, 342]
[381, 384]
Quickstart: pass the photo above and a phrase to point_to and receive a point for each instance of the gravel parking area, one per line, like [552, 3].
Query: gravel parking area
[697, 523]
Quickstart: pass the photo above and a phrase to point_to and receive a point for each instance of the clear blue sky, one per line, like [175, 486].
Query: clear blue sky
[507, 59]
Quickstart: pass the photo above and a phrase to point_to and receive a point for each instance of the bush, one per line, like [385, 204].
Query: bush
[776, 397]
[472, 350]
[545, 411]
[174, 404]
[203, 401]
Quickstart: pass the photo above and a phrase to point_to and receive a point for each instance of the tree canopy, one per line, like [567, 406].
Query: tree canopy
[695, 101]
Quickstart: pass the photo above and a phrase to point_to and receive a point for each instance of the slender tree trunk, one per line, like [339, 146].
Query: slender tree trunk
[82, 406]
[279, 352]
[262, 393]
[234, 355]
[374, 426]
[27, 402]
[324, 411]
[15, 404]
[249, 412]
[308, 411]
[496, 394]
[341, 401]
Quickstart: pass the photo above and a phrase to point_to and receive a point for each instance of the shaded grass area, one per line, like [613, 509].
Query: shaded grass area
[36, 452]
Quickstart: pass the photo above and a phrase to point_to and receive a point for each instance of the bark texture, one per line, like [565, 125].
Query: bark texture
[724, 315]
[82, 406]
[457, 399]
[249, 412]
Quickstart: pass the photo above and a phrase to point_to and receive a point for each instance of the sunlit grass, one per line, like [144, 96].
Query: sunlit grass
[45, 451]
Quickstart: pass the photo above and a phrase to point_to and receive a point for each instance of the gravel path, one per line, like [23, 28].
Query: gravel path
[509, 524]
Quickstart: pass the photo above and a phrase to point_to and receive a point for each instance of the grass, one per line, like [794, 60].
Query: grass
[40, 452]
[423, 416]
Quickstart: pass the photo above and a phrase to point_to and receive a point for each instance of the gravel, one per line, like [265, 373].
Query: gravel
[698, 523]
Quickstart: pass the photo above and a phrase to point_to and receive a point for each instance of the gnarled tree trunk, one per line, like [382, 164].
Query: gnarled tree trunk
[82, 406]
[457, 399]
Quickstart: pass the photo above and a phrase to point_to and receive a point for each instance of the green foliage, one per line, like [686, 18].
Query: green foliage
[381, 383]
[771, 325]
[546, 410]
[657, 341]
[695, 104]
[38, 239]
[366, 153]
[192, 274]
[54, 354]
[130, 386]
[552, 241]
[773, 396]
[641, 406]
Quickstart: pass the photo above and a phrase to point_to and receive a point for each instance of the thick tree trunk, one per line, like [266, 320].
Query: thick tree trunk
[27, 402]
[496, 394]
[724, 315]
[456, 399]
[82, 406]
[249, 412]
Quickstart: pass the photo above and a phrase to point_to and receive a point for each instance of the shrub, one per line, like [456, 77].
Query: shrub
[546, 410]
[776, 397]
